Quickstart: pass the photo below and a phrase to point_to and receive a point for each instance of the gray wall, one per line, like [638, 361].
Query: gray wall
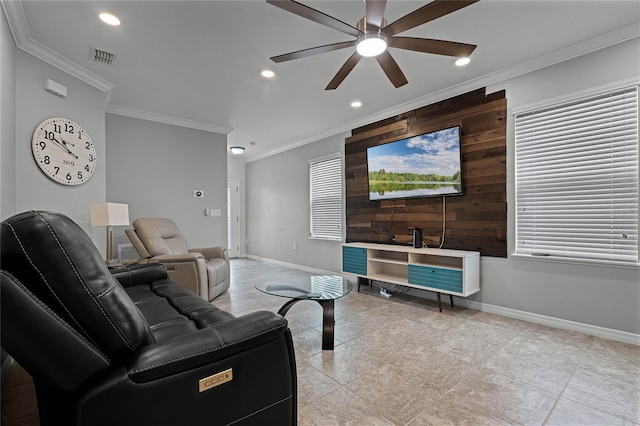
[85, 105]
[599, 295]
[278, 208]
[7, 120]
[151, 166]
[278, 213]
[155, 168]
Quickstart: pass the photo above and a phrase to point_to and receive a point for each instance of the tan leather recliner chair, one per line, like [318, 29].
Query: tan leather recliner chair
[205, 271]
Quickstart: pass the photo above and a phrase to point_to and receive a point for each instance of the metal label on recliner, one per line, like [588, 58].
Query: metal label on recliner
[215, 380]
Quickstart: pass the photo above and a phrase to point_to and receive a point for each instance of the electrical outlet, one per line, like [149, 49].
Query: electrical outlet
[215, 213]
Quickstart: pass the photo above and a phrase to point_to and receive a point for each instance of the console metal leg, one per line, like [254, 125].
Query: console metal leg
[439, 302]
[363, 281]
[451, 298]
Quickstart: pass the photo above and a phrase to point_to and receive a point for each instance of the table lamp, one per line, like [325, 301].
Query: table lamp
[109, 215]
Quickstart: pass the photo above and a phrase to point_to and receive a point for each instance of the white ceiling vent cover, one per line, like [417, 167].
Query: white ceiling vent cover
[102, 56]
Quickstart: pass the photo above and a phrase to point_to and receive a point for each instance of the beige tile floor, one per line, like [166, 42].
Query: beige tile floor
[401, 362]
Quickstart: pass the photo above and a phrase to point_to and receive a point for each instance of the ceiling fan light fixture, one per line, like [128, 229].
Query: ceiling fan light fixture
[237, 150]
[371, 44]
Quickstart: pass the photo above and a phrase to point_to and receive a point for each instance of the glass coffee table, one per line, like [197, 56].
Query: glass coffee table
[324, 289]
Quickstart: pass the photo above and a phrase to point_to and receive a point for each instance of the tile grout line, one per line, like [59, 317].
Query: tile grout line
[546, 419]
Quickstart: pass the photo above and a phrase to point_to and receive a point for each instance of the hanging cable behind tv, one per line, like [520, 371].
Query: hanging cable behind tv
[444, 221]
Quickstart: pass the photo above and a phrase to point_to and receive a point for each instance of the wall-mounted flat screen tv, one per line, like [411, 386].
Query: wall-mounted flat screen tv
[427, 165]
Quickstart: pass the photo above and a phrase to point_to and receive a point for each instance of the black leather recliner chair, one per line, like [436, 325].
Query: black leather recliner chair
[129, 346]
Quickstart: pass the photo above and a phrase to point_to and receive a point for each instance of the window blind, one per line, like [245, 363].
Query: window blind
[325, 178]
[577, 179]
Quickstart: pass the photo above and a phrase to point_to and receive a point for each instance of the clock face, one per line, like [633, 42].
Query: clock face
[64, 151]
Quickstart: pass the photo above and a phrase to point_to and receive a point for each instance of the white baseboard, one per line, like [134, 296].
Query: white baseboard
[293, 265]
[593, 330]
[579, 327]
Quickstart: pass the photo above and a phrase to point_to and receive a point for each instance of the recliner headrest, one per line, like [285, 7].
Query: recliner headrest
[57, 262]
[160, 236]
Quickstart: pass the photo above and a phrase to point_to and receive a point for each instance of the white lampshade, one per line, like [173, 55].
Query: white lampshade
[109, 214]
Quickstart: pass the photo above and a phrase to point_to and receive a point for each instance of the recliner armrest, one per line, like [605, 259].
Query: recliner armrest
[211, 344]
[211, 252]
[184, 257]
[140, 274]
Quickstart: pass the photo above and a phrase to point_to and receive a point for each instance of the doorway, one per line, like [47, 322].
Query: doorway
[233, 217]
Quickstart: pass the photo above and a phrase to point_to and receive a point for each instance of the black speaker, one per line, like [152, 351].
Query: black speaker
[417, 237]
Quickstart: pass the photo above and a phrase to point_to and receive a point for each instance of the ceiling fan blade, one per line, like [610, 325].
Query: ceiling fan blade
[375, 12]
[344, 71]
[427, 13]
[428, 45]
[312, 51]
[391, 69]
[315, 16]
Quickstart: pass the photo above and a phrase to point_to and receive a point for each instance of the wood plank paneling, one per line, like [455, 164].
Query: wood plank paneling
[476, 220]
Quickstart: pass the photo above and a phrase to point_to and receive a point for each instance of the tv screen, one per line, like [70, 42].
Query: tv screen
[427, 165]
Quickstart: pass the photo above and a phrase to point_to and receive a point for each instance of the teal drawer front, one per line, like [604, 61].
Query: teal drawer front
[438, 278]
[354, 260]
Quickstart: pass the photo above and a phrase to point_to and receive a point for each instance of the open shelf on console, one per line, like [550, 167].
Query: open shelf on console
[448, 262]
[388, 269]
[388, 257]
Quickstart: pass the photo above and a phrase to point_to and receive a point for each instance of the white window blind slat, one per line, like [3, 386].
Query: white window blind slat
[577, 179]
[325, 177]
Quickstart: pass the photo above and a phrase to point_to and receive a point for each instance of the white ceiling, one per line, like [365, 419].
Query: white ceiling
[199, 62]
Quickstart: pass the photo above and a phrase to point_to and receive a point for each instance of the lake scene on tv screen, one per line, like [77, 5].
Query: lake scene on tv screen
[421, 166]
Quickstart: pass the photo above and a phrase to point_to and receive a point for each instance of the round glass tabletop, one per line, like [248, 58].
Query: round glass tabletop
[314, 287]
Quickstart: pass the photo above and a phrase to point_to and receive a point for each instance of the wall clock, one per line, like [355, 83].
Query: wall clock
[64, 151]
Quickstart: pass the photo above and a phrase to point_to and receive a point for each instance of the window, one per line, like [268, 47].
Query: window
[577, 179]
[325, 178]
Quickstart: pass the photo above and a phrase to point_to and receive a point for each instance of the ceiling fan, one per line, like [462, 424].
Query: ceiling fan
[373, 36]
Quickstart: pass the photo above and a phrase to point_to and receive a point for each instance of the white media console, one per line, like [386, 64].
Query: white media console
[452, 272]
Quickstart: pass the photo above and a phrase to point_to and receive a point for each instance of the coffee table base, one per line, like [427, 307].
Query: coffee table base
[328, 319]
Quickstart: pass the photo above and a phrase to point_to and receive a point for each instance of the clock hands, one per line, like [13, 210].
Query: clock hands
[67, 143]
[63, 144]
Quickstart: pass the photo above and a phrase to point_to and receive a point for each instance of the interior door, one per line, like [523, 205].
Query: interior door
[233, 217]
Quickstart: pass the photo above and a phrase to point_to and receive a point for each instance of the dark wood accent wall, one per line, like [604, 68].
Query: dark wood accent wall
[476, 220]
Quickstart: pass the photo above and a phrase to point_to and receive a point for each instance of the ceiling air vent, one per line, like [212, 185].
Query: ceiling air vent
[102, 56]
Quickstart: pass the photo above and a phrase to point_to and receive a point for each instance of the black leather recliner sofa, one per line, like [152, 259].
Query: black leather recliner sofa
[129, 346]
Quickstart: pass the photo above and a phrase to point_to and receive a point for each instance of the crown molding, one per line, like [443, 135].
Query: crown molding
[603, 41]
[167, 119]
[17, 20]
[19, 29]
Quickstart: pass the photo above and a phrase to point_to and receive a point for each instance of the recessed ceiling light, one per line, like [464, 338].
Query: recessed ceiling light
[109, 19]
[462, 61]
[356, 104]
[267, 74]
